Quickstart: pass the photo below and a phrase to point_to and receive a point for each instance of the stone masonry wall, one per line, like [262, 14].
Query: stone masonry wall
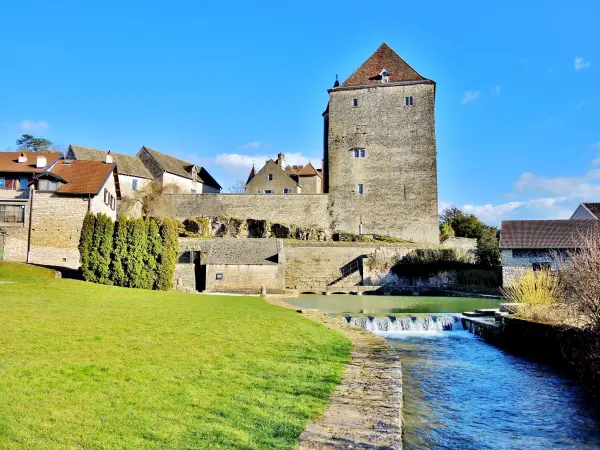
[399, 171]
[299, 209]
[243, 278]
[512, 266]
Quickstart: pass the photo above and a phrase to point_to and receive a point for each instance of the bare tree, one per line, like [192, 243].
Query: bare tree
[150, 201]
[239, 187]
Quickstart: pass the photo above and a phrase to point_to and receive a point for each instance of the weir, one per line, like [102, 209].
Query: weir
[410, 323]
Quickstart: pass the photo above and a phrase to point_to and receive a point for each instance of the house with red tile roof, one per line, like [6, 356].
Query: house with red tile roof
[276, 177]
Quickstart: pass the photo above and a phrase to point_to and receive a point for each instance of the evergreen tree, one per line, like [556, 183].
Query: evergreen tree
[155, 249]
[85, 245]
[105, 249]
[170, 244]
[119, 253]
[136, 249]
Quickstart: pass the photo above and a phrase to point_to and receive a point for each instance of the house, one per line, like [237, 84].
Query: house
[174, 171]
[245, 266]
[135, 172]
[533, 244]
[278, 178]
[587, 211]
[46, 230]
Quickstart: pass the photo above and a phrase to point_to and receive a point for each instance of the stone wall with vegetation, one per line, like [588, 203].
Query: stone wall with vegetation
[301, 210]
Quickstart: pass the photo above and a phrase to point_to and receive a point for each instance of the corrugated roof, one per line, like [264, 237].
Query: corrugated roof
[83, 177]
[9, 161]
[383, 58]
[126, 164]
[181, 168]
[594, 208]
[250, 251]
[559, 234]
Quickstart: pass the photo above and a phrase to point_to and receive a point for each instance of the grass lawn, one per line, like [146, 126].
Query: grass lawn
[91, 366]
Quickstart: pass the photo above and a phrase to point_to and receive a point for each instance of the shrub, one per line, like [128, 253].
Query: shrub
[105, 231]
[155, 249]
[537, 291]
[446, 231]
[119, 254]
[488, 247]
[166, 266]
[136, 249]
[85, 245]
[197, 226]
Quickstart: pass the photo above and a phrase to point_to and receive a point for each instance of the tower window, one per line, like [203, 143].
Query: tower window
[356, 153]
[363, 153]
[270, 177]
[355, 102]
[408, 101]
[359, 152]
[361, 189]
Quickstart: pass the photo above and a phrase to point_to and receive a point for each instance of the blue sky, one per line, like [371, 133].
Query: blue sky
[518, 92]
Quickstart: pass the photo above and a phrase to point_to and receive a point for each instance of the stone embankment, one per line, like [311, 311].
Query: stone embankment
[365, 410]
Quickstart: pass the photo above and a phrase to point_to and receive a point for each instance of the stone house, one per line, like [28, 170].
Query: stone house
[58, 197]
[533, 244]
[135, 172]
[278, 178]
[245, 266]
[587, 211]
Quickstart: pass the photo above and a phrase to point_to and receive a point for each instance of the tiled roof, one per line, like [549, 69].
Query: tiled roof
[9, 161]
[594, 208]
[545, 233]
[83, 177]
[293, 170]
[249, 251]
[383, 58]
[252, 174]
[308, 170]
[126, 164]
[181, 168]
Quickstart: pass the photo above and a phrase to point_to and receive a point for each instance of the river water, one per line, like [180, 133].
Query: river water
[462, 393]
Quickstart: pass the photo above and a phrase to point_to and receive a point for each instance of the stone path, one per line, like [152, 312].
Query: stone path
[365, 410]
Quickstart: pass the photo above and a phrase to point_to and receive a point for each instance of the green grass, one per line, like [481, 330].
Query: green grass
[91, 366]
[23, 272]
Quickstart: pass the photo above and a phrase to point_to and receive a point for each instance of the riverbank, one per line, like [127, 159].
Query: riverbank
[365, 410]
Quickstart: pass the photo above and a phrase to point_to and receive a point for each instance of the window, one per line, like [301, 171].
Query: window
[269, 191]
[287, 191]
[23, 184]
[134, 184]
[106, 194]
[355, 102]
[219, 276]
[1, 183]
[270, 177]
[113, 202]
[363, 153]
[408, 101]
[359, 152]
[356, 153]
[541, 266]
[47, 185]
[12, 213]
[361, 189]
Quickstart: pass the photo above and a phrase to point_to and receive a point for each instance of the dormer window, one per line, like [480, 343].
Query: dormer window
[385, 77]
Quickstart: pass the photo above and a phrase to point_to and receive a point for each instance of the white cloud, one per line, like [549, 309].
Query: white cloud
[236, 161]
[469, 96]
[580, 63]
[252, 144]
[443, 205]
[30, 125]
[585, 187]
[497, 91]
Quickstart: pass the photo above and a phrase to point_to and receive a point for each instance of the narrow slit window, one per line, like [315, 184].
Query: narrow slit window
[361, 189]
[408, 101]
[355, 102]
[356, 153]
[363, 153]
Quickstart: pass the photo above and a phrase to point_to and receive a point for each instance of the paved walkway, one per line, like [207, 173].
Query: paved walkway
[365, 410]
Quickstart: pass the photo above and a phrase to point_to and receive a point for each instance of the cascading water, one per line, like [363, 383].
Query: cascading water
[408, 324]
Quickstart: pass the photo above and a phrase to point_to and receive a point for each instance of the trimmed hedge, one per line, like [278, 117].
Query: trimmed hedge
[139, 253]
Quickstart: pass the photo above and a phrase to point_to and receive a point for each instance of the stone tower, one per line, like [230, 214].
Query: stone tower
[380, 153]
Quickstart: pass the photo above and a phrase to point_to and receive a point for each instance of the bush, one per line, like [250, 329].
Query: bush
[136, 249]
[488, 247]
[537, 291]
[85, 245]
[106, 231]
[166, 266]
[197, 226]
[119, 253]
[155, 249]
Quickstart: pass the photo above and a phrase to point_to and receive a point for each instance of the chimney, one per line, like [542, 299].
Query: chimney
[281, 160]
[41, 161]
[22, 158]
[109, 158]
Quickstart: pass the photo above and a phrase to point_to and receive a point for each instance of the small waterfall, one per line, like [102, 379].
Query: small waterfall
[411, 323]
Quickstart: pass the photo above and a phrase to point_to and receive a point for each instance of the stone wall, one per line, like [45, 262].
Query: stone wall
[513, 265]
[399, 171]
[302, 210]
[243, 278]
